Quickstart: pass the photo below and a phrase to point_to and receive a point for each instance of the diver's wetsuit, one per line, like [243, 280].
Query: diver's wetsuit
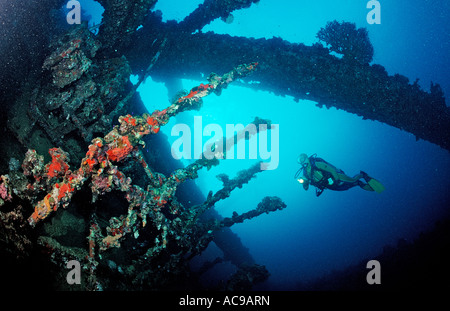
[324, 182]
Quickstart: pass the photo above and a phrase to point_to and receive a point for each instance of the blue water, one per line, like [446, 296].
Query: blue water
[314, 236]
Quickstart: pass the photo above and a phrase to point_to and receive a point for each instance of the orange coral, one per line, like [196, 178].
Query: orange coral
[50, 202]
[91, 162]
[63, 190]
[58, 167]
[154, 124]
[130, 120]
[42, 210]
[196, 90]
[123, 149]
[110, 241]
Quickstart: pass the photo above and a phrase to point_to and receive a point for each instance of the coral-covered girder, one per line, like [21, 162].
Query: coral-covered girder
[268, 204]
[117, 145]
[303, 72]
[209, 10]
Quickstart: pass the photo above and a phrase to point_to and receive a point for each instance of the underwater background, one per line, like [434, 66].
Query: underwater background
[316, 236]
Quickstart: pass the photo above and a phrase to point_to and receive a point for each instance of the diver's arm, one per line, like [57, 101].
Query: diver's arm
[328, 168]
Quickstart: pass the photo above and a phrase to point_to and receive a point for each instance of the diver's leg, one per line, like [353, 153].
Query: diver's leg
[348, 185]
[348, 182]
[365, 186]
[372, 183]
[343, 185]
[349, 179]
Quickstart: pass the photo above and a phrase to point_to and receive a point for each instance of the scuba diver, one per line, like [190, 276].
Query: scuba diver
[323, 175]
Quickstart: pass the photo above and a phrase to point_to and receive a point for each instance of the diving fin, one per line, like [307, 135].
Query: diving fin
[376, 185]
